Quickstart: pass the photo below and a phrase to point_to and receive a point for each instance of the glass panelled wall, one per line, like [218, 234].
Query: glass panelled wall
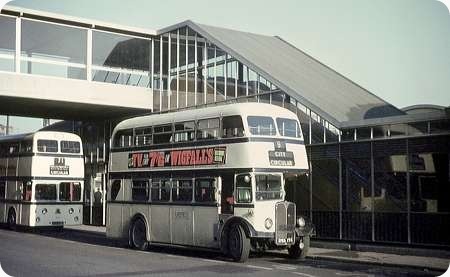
[120, 59]
[189, 70]
[385, 190]
[53, 49]
[7, 43]
[183, 68]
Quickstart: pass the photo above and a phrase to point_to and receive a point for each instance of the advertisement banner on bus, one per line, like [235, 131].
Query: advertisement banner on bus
[176, 158]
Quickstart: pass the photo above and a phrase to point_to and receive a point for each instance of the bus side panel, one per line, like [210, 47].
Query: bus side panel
[182, 229]
[205, 222]
[114, 224]
[160, 222]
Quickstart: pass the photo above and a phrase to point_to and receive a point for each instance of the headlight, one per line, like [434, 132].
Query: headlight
[44, 211]
[76, 219]
[70, 211]
[268, 223]
[38, 219]
[301, 222]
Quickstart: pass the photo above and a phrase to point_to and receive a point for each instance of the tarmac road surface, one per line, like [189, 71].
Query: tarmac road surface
[76, 253]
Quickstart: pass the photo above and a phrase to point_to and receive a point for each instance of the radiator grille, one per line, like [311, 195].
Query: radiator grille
[285, 223]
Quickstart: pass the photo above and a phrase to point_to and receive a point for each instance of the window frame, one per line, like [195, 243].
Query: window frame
[73, 148]
[44, 200]
[240, 133]
[159, 187]
[46, 150]
[179, 188]
[271, 134]
[212, 185]
[71, 197]
[199, 131]
[135, 186]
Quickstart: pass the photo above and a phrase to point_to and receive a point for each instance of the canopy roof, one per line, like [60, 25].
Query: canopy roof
[317, 86]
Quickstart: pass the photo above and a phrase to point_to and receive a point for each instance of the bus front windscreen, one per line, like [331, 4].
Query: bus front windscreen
[268, 187]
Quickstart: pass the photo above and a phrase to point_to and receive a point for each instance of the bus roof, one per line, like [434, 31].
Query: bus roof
[242, 109]
[40, 134]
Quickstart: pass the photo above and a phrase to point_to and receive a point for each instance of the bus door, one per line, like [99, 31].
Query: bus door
[226, 194]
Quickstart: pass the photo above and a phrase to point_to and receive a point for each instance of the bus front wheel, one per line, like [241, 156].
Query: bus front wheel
[137, 234]
[238, 244]
[12, 219]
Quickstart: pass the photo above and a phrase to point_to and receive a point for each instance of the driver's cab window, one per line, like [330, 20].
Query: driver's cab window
[243, 191]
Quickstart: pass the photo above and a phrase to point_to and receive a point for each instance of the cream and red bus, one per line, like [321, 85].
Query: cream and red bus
[211, 177]
[41, 179]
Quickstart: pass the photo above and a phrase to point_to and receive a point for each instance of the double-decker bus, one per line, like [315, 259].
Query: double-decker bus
[41, 179]
[211, 177]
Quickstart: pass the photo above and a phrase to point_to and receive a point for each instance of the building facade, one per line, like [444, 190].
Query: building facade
[377, 173]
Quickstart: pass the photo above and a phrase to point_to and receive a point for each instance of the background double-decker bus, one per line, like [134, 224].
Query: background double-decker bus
[41, 179]
[212, 177]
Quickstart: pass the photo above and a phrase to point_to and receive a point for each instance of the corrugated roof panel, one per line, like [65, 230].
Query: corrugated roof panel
[325, 91]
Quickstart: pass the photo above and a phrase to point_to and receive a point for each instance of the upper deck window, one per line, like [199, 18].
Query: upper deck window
[123, 138]
[143, 136]
[70, 147]
[288, 127]
[26, 146]
[208, 128]
[14, 148]
[46, 145]
[162, 134]
[261, 125]
[184, 131]
[232, 126]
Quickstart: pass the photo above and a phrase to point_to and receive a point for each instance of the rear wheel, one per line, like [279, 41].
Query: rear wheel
[295, 252]
[138, 234]
[238, 244]
[12, 225]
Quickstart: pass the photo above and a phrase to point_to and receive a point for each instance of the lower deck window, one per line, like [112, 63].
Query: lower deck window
[182, 191]
[115, 188]
[139, 190]
[45, 192]
[160, 190]
[69, 191]
[268, 187]
[205, 190]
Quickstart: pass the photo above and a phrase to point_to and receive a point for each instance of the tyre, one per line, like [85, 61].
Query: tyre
[238, 244]
[138, 234]
[296, 253]
[12, 225]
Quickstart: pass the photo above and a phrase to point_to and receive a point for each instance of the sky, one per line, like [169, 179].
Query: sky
[396, 49]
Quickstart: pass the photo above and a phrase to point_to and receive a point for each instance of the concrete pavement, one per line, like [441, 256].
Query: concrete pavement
[367, 257]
